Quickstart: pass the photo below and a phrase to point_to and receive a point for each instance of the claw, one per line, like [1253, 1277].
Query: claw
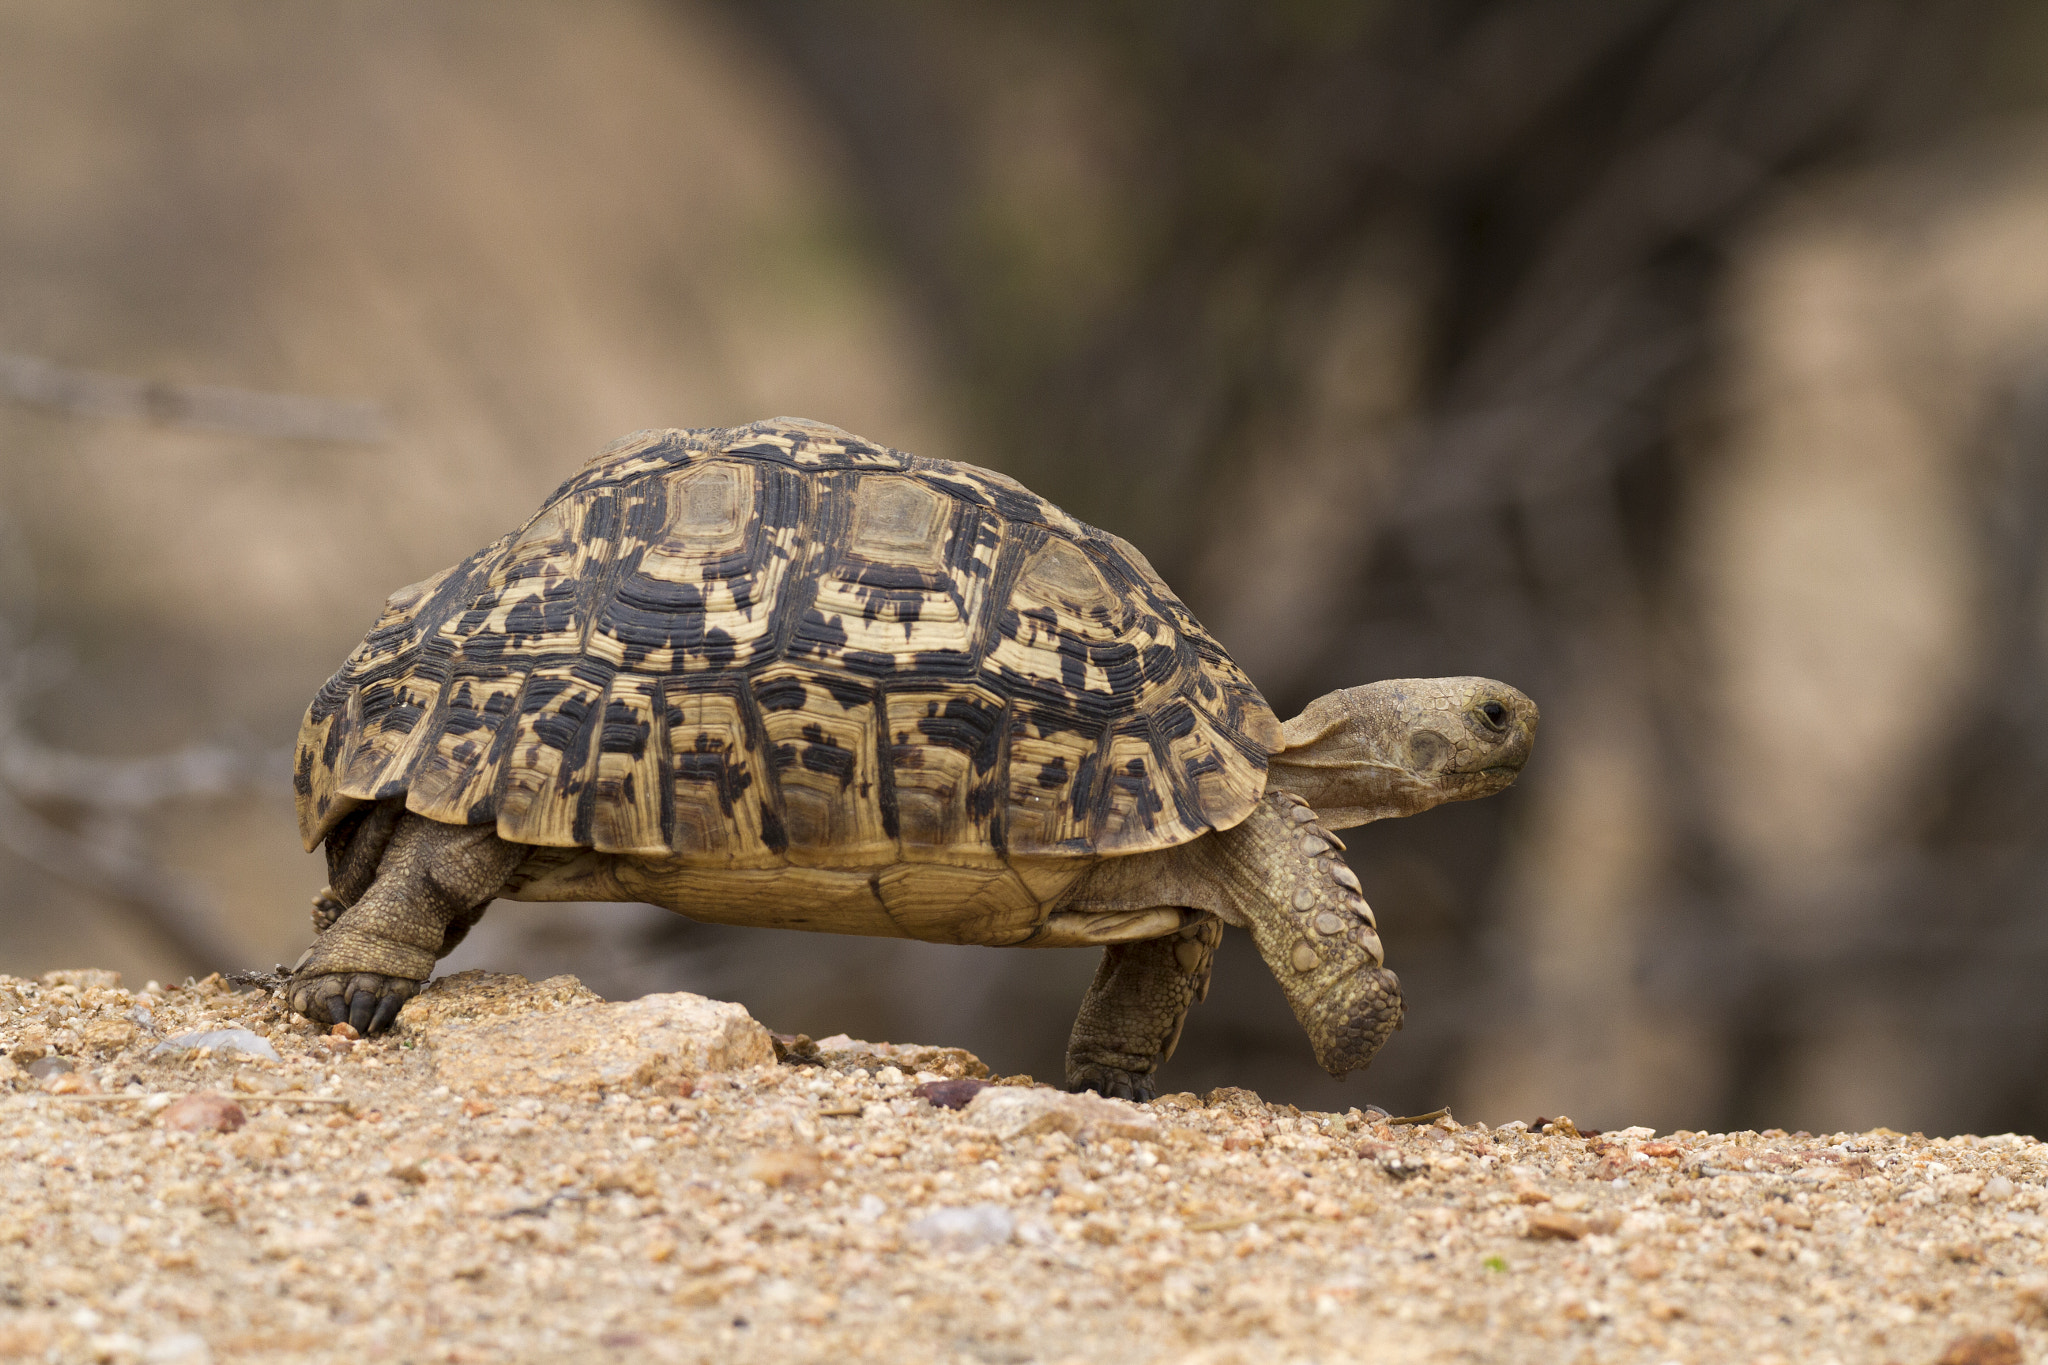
[362, 1005]
[387, 1012]
[323, 1002]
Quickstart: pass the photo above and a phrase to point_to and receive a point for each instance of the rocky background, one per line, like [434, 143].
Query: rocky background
[1680, 361]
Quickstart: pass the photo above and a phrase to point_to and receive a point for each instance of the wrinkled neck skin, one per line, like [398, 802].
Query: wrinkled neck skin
[1400, 747]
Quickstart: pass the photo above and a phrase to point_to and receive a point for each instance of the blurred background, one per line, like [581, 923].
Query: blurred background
[1683, 362]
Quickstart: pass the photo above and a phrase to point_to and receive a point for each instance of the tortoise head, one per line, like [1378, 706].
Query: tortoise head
[1400, 747]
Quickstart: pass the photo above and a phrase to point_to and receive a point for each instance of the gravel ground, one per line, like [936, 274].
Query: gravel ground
[825, 1208]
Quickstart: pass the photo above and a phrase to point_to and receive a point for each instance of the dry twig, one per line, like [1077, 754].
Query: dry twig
[206, 407]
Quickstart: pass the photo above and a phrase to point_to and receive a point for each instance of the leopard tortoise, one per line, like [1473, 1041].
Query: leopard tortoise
[780, 675]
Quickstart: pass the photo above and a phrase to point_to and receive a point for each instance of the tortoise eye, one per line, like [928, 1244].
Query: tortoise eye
[1495, 715]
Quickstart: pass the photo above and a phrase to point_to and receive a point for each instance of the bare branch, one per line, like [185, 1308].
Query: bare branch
[276, 416]
[36, 772]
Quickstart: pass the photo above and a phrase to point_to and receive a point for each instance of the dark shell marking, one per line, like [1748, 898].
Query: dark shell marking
[778, 644]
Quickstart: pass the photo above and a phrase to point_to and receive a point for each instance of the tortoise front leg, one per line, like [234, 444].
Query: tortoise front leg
[432, 883]
[1313, 928]
[1131, 1017]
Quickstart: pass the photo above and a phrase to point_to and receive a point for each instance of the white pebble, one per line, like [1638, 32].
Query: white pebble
[181, 1348]
[979, 1225]
[220, 1040]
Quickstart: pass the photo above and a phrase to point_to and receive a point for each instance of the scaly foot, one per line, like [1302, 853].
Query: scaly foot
[1112, 1083]
[366, 1001]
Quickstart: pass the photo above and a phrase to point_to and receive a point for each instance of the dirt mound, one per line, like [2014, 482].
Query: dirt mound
[334, 1199]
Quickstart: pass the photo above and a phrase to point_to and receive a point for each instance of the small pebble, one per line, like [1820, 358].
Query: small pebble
[42, 1068]
[952, 1094]
[180, 1348]
[965, 1229]
[109, 1035]
[1983, 1348]
[1556, 1227]
[795, 1168]
[204, 1112]
[345, 1029]
[83, 978]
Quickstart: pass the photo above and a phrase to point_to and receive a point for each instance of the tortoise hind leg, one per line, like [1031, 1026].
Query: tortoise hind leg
[354, 849]
[432, 883]
[1131, 1018]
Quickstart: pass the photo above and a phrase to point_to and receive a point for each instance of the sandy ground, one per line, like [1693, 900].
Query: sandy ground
[516, 1174]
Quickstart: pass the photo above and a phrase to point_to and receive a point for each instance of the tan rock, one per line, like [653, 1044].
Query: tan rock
[84, 978]
[469, 996]
[1393, 1160]
[1983, 1348]
[204, 1112]
[634, 1177]
[843, 1052]
[798, 1167]
[1233, 1097]
[505, 1035]
[1019, 1111]
[1555, 1227]
[109, 1035]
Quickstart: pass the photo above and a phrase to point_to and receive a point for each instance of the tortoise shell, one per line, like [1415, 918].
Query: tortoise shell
[780, 644]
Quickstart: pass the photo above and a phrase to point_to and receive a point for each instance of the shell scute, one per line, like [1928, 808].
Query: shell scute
[824, 752]
[945, 748]
[716, 774]
[697, 594]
